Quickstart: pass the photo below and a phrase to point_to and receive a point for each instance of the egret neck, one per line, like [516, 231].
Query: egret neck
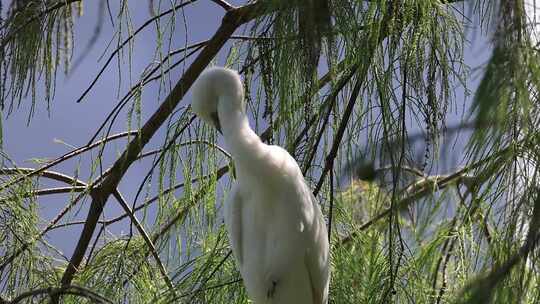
[240, 139]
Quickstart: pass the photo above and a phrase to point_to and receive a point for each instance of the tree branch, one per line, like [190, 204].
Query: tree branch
[32, 172]
[146, 239]
[482, 289]
[329, 163]
[224, 4]
[72, 290]
[113, 114]
[330, 101]
[427, 185]
[48, 174]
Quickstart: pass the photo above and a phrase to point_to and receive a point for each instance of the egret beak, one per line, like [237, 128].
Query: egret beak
[215, 119]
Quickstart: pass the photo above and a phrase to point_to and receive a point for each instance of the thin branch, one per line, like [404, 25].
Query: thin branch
[117, 50]
[65, 157]
[429, 184]
[147, 79]
[183, 211]
[324, 80]
[51, 191]
[224, 4]
[51, 291]
[364, 68]
[203, 284]
[188, 143]
[74, 223]
[331, 208]
[215, 287]
[330, 101]
[146, 239]
[329, 163]
[48, 174]
[220, 172]
[161, 155]
[483, 288]
[255, 38]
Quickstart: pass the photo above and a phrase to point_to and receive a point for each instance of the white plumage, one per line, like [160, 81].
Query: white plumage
[276, 228]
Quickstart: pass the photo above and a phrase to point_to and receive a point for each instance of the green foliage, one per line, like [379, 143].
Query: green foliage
[36, 39]
[19, 224]
[411, 232]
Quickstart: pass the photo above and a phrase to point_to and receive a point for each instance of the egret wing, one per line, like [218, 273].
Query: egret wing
[317, 255]
[233, 222]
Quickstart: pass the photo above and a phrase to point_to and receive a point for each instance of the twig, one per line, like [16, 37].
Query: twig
[182, 213]
[255, 38]
[50, 191]
[147, 79]
[348, 110]
[161, 155]
[331, 208]
[445, 265]
[48, 174]
[324, 80]
[188, 143]
[75, 223]
[329, 163]
[428, 184]
[72, 290]
[148, 22]
[215, 286]
[216, 268]
[330, 101]
[482, 289]
[220, 172]
[146, 239]
[224, 4]
[65, 157]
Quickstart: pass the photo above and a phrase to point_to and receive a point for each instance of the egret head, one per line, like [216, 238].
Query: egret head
[217, 87]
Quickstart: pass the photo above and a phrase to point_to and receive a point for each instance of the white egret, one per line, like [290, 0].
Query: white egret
[276, 229]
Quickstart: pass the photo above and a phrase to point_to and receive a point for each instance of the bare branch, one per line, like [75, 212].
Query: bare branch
[224, 4]
[330, 101]
[65, 157]
[48, 174]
